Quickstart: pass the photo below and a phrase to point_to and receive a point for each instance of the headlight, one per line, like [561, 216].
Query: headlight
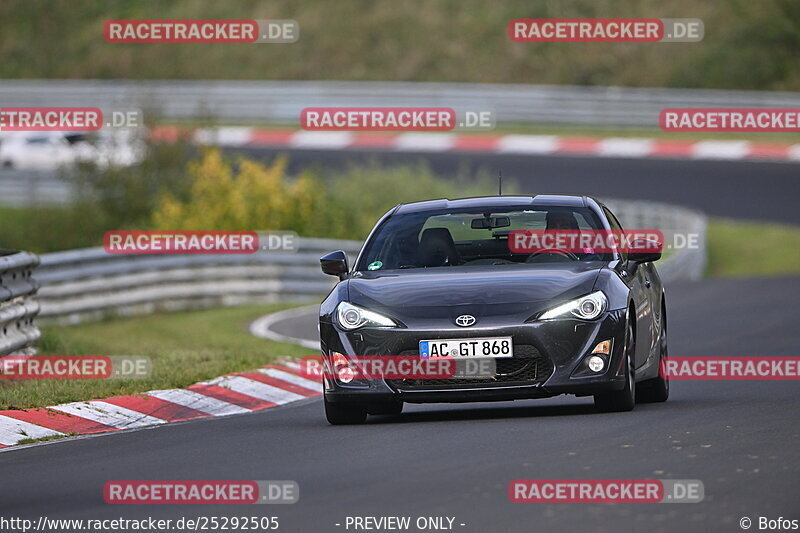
[352, 317]
[586, 307]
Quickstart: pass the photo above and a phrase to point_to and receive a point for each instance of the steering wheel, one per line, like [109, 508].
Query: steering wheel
[558, 251]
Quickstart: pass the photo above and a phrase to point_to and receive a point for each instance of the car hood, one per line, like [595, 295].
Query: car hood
[493, 295]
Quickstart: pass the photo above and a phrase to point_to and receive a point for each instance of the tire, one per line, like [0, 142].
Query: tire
[385, 408]
[344, 414]
[625, 399]
[657, 389]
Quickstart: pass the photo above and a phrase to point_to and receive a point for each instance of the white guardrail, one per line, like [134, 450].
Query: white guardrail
[89, 284]
[280, 102]
[18, 307]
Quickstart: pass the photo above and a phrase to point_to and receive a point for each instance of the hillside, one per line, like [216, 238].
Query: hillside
[747, 45]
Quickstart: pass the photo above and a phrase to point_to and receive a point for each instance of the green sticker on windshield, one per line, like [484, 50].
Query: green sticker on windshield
[375, 265]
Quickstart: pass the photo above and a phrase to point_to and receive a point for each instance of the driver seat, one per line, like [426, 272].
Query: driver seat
[436, 248]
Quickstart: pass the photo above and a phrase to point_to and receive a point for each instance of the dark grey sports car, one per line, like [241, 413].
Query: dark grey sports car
[441, 279]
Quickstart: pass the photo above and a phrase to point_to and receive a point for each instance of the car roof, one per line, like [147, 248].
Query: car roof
[540, 200]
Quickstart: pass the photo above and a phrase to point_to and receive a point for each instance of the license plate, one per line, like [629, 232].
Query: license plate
[484, 347]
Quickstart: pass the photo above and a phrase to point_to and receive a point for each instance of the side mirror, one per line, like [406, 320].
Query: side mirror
[335, 264]
[647, 257]
[645, 251]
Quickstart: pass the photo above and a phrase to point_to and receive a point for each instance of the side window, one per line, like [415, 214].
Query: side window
[616, 226]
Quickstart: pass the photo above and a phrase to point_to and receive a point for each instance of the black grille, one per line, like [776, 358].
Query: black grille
[527, 367]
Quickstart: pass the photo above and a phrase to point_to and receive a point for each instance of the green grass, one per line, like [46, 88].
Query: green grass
[45, 439]
[752, 249]
[747, 44]
[42, 229]
[184, 347]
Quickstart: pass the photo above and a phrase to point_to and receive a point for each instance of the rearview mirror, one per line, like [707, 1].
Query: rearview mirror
[490, 222]
[335, 264]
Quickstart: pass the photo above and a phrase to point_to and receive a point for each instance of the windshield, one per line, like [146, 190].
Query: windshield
[456, 238]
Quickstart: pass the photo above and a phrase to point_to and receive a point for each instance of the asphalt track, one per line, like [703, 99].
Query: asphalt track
[735, 189]
[742, 439]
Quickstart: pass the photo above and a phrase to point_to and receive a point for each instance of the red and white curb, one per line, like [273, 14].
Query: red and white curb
[618, 147]
[239, 393]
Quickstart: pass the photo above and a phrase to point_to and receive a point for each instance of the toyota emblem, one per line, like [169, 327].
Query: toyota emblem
[465, 320]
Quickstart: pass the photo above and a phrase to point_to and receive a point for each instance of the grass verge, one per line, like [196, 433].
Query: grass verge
[752, 248]
[184, 347]
[45, 439]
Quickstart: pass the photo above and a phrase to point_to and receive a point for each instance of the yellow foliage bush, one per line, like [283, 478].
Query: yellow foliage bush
[245, 196]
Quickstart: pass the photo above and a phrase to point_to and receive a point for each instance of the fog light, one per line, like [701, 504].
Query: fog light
[596, 363]
[342, 370]
[345, 374]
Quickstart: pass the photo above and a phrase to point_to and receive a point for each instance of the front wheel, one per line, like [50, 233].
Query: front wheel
[339, 414]
[657, 389]
[625, 399]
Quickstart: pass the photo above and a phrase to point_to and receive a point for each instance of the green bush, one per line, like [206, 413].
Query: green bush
[125, 197]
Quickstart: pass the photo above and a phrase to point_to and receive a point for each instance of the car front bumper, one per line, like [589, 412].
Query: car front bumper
[560, 348]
